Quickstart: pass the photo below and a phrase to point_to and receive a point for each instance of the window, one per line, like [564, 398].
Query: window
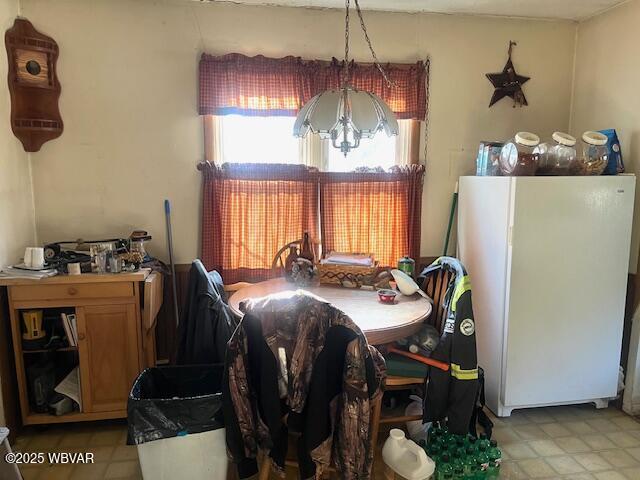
[379, 151]
[243, 139]
[258, 140]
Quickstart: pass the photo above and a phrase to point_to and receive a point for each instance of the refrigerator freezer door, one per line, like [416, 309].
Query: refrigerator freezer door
[569, 262]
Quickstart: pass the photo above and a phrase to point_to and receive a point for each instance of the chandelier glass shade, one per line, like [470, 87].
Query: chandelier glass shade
[345, 116]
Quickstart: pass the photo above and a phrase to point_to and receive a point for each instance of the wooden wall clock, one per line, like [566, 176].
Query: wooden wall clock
[33, 84]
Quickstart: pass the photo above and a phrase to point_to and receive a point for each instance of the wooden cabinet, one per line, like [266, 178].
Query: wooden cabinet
[108, 347]
[116, 336]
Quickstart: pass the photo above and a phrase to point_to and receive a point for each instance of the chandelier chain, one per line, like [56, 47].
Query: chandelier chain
[366, 36]
[346, 78]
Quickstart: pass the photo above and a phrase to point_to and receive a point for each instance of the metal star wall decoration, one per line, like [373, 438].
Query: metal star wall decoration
[508, 83]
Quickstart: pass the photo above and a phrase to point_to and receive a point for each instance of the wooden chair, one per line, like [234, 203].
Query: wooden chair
[281, 255]
[276, 264]
[436, 287]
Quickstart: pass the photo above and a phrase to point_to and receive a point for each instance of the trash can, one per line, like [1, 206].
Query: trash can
[174, 416]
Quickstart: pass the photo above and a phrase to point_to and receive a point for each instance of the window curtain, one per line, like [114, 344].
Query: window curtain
[368, 212]
[250, 211]
[237, 84]
[406, 95]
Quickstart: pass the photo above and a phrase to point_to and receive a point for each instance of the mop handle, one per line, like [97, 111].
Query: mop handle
[167, 213]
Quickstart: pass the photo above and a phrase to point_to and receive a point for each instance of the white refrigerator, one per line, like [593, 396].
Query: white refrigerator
[548, 259]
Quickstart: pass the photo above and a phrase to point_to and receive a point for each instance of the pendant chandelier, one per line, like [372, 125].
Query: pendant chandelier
[347, 115]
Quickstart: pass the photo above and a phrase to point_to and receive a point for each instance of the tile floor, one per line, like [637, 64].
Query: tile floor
[106, 440]
[578, 443]
[573, 442]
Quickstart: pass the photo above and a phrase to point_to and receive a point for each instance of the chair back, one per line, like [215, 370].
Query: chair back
[435, 284]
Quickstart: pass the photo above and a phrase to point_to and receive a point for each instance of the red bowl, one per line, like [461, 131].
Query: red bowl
[387, 296]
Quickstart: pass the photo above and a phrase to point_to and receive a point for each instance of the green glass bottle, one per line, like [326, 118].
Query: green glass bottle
[443, 444]
[434, 453]
[469, 463]
[482, 459]
[449, 437]
[445, 435]
[445, 469]
[484, 441]
[433, 433]
[458, 473]
[456, 459]
[460, 445]
[473, 443]
[495, 459]
[473, 472]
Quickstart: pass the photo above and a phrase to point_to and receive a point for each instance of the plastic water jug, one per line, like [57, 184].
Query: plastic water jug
[406, 458]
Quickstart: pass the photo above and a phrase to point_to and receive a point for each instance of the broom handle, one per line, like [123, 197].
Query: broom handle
[454, 203]
[167, 213]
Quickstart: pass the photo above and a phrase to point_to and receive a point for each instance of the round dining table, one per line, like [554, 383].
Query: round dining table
[381, 323]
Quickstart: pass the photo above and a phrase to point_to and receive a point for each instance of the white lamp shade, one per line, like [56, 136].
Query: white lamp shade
[367, 114]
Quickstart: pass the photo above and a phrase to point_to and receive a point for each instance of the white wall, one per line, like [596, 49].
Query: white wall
[17, 227]
[607, 76]
[606, 82]
[129, 90]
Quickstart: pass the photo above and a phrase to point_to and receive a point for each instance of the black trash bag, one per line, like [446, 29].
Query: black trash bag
[173, 401]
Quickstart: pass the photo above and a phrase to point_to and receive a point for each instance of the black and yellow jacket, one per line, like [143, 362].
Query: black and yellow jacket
[451, 395]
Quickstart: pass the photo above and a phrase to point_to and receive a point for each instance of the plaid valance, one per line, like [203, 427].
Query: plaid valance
[261, 86]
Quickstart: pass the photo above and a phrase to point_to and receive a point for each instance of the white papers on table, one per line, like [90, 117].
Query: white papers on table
[70, 386]
[360, 259]
[17, 272]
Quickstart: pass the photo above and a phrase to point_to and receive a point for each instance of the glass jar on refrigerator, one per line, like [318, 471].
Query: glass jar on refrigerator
[519, 156]
[558, 157]
[594, 154]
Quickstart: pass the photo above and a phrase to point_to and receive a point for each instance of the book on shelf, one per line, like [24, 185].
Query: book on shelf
[70, 328]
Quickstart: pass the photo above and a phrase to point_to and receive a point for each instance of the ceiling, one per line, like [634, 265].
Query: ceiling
[556, 9]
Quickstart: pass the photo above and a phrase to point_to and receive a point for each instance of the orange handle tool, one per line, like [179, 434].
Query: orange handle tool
[429, 361]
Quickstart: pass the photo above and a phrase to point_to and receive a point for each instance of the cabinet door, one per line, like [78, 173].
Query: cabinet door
[108, 349]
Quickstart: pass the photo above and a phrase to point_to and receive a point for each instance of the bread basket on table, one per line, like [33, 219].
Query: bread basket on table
[348, 275]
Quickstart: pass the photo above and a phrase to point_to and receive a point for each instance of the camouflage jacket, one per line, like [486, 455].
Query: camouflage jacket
[298, 364]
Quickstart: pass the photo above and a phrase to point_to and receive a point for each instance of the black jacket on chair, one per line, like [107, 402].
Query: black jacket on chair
[452, 394]
[206, 321]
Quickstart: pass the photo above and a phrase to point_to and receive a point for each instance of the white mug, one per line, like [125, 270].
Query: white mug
[27, 256]
[73, 268]
[37, 257]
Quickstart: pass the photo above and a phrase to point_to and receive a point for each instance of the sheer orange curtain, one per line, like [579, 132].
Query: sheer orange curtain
[250, 211]
[377, 213]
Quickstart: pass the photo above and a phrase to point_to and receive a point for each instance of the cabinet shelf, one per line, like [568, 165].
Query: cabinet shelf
[45, 350]
[33, 418]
